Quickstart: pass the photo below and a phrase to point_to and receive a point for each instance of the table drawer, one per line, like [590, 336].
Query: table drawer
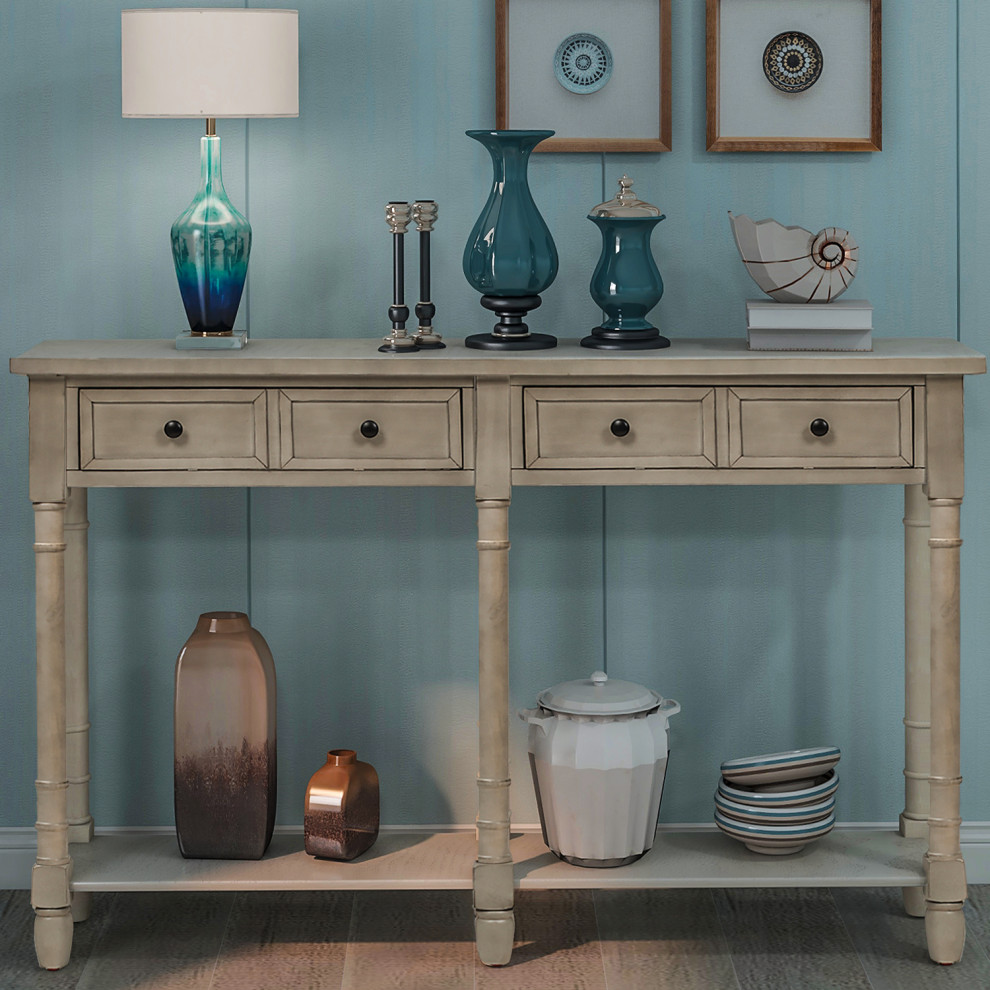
[351, 428]
[587, 427]
[123, 429]
[859, 427]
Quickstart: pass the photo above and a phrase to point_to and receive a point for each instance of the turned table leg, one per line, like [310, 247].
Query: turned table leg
[77, 681]
[917, 678]
[945, 890]
[52, 871]
[493, 888]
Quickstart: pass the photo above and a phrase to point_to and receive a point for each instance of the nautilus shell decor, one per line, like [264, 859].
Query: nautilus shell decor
[791, 264]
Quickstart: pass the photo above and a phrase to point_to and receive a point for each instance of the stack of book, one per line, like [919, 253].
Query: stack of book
[843, 325]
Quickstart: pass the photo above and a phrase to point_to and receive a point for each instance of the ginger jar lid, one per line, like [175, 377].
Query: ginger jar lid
[625, 205]
[599, 695]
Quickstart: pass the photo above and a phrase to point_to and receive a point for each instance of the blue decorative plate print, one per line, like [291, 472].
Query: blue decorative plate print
[582, 63]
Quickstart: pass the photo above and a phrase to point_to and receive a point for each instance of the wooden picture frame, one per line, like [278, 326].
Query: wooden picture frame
[729, 132]
[537, 84]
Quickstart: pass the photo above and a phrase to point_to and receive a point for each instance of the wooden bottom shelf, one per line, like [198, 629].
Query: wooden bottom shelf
[444, 860]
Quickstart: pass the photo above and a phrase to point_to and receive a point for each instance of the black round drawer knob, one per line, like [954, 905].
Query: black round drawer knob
[369, 429]
[819, 427]
[619, 428]
[172, 429]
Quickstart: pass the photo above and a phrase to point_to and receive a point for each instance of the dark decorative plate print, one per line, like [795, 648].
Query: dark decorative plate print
[582, 63]
[792, 62]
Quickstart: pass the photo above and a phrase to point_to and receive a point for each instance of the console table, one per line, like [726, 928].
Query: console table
[139, 413]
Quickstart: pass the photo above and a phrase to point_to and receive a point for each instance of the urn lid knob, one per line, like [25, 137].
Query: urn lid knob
[626, 204]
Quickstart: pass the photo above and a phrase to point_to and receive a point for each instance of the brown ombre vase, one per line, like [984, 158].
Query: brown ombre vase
[341, 817]
[224, 740]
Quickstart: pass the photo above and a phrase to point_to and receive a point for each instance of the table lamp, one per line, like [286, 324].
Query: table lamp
[229, 62]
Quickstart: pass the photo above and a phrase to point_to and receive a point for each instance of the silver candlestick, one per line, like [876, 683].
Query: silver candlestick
[397, 216]
[424, 213]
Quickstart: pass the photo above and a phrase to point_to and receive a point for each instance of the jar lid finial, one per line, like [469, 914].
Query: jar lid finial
[626, 204]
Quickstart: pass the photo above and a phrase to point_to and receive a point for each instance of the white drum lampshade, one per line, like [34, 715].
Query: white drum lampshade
[210, 63]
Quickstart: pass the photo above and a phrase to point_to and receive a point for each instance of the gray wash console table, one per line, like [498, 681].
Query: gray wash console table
[336, 412]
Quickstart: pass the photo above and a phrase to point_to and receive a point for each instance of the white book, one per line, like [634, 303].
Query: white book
[843, 314]
[810, 340]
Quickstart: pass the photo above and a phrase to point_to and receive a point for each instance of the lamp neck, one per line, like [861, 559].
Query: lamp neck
[211, 126]
[211, 181]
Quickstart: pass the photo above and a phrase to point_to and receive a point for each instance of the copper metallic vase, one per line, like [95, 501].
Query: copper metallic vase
[225, 768]
[341, 817]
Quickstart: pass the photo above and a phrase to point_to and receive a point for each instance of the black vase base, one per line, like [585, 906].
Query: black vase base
[430, 343]
[521, 342]
[511, 333]
[625, 340]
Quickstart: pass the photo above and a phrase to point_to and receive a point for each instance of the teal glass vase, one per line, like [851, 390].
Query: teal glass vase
[211, 243]
[510, 257]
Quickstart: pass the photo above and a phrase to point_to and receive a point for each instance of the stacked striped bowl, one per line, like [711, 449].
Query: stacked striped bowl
[777, 803]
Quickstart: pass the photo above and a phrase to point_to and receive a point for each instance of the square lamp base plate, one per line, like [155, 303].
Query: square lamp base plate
[230, 342]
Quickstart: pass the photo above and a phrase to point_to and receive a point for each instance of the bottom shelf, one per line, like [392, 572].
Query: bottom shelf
[444, 860]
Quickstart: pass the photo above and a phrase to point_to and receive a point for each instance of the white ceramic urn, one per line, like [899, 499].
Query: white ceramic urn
[598, 751]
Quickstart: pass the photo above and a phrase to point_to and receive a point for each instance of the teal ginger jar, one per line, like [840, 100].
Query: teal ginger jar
[626, 284]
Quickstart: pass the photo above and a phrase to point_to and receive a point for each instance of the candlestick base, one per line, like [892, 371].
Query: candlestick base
[427, 340]
[399, 345]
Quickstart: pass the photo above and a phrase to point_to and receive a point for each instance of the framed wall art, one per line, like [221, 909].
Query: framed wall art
[596, 73]
[793, 75]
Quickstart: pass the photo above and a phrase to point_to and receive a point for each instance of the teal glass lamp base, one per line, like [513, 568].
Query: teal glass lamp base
[211, 243]
[214, 342]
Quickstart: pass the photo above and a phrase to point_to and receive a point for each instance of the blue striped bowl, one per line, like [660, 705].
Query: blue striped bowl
[765, 797]
[772, 768]
[774, 840]
[788, 815]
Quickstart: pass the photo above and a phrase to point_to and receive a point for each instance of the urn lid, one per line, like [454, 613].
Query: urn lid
[599, 695]
[625, 204]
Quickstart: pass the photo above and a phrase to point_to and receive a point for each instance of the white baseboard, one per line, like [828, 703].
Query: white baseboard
[17, 845]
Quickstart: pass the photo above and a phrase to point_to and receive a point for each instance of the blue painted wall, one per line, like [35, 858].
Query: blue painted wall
[773, 615]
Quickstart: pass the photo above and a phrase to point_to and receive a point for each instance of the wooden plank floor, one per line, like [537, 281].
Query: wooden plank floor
[739, 939]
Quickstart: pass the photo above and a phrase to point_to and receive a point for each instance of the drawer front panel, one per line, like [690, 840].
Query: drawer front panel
[414, 428]
[124, 429]
[585, 427]
[866, 427]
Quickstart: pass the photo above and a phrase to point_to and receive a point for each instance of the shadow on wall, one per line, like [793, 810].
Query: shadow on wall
[773, 615]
